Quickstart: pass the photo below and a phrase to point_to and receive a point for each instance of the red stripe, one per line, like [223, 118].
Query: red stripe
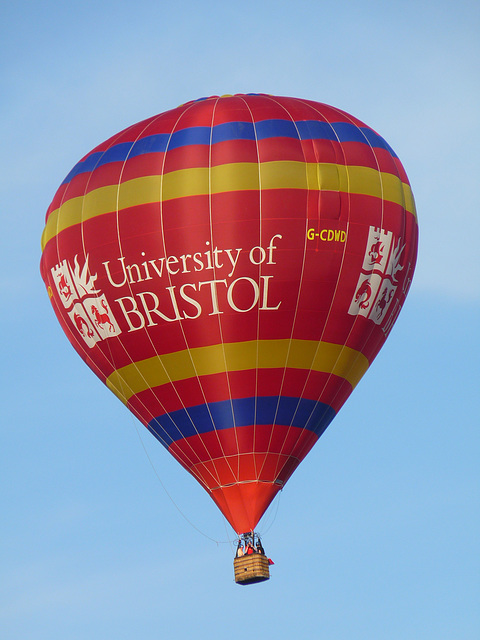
[243, 454]
[192, 156]
[232, 109]
[315, 300]
[280, 149]
[104, 175]
[233, 151]
[101, 232]
[317, 110]
[313, 385]
[198, 114]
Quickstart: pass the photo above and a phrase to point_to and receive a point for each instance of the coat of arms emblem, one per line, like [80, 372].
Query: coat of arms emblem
[378, 280]
[86, 306]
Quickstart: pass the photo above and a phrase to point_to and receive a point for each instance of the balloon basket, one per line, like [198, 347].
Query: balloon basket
[252, 568]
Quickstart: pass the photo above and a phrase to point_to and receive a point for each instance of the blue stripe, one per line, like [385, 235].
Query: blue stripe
[150, 144]
[377, 141]
[276, 129]
[315, 130]
[119, 153]
[190, 136]
[302, 413]
[265, 129]
[233, 131]
[347, 132]
[85, 166]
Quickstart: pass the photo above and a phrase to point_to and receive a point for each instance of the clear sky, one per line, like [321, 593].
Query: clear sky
[376, 534]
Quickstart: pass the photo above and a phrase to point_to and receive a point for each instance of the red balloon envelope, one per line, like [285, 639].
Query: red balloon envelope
[230, 269]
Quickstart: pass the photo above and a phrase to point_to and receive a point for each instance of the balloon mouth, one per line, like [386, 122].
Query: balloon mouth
[245, 503]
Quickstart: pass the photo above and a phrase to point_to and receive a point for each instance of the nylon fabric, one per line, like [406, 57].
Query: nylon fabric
[230, 269]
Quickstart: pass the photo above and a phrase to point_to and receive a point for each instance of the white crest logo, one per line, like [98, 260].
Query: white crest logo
[377, 282]
[86, 306]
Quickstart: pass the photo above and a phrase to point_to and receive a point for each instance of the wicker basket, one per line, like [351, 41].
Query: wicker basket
[251, 568]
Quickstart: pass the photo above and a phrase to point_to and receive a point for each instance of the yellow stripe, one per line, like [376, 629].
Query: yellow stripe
[238, 356]
[239, 176]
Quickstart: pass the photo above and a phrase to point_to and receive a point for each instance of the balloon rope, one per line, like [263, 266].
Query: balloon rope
[277, 499]
[168, 494]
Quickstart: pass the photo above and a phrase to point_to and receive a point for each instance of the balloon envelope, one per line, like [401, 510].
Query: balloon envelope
[230, 269]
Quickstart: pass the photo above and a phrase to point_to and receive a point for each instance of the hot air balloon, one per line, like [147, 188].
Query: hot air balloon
[230, 269]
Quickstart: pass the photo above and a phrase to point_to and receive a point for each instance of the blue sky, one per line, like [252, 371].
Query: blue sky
[376, 534]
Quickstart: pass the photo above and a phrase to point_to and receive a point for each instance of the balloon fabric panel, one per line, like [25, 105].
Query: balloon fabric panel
[230, 269]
